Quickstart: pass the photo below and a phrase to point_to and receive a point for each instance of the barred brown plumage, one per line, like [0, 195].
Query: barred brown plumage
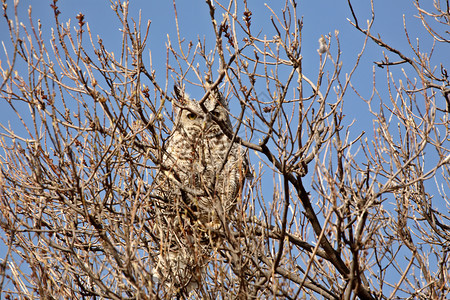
[197, 189]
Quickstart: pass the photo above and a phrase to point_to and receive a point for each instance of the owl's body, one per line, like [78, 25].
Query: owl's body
[202, 175]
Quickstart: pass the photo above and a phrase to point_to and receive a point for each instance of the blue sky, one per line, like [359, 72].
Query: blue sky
[319, 18]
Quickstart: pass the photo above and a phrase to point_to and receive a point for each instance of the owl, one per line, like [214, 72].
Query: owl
[197, 190]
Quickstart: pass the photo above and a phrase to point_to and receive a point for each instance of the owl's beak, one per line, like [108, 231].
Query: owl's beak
[205, 123]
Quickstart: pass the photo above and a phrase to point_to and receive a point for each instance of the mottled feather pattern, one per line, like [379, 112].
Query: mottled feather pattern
[197, 189]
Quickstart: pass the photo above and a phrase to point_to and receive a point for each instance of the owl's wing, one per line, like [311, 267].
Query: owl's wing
[232, 178]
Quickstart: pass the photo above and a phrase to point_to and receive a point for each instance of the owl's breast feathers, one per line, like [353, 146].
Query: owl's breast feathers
[201, 177]
[212, 167]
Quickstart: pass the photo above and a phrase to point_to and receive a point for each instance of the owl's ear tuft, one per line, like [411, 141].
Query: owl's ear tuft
[178, 94]
[182, 99]
[216, 96]
[179, 98]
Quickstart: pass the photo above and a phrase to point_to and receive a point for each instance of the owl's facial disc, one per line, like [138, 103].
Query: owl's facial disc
[211, 128]
[196, 123]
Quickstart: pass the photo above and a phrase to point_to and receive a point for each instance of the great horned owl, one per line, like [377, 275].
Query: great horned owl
[201, 177]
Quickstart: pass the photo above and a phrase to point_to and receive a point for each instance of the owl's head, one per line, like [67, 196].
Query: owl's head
[194, 121]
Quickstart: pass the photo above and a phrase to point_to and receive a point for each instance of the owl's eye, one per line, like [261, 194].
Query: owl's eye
[191, 116]
[215, 114]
